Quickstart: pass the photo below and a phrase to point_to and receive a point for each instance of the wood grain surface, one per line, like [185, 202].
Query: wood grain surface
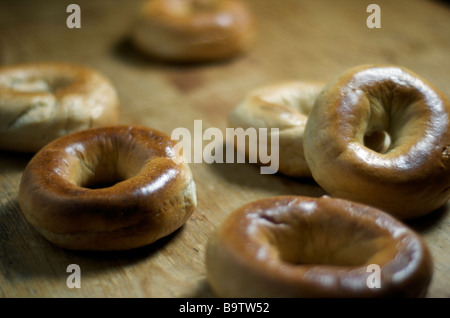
[297, 39]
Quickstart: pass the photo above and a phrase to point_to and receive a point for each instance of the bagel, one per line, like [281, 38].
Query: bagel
[286, 106]
[294, 246]
[346, 133]
[193, 30]
[107, 188]
[44, 101]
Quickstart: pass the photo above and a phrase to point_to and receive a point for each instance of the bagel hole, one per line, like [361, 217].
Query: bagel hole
[106, 167]
[101, 177]
[378, 141]
[101, 183]
[325, 243]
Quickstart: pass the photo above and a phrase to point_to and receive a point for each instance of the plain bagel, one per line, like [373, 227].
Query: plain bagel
[286, 106]
[194, 30]
[345, 140]
[108, 188]
[292, 246]
[43, 101]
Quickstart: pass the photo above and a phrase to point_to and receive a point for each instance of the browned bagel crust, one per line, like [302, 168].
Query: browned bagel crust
[292, 246]
[194, 30]
[108, 188]
[412, 176]
[40, 102]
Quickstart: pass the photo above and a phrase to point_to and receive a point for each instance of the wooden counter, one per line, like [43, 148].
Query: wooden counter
[298, 39]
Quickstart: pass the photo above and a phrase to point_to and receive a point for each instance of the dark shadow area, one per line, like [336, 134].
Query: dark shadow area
[13, 161]
[249, 175]
[126, 51]
[444, 2]
[430, 221]
[105, 260]
[24, 253]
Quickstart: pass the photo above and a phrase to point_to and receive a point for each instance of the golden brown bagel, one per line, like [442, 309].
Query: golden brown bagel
[285, 106]
[292, 246]
[108, 188]
[194, 30]
[41, 102]
[412, 176]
